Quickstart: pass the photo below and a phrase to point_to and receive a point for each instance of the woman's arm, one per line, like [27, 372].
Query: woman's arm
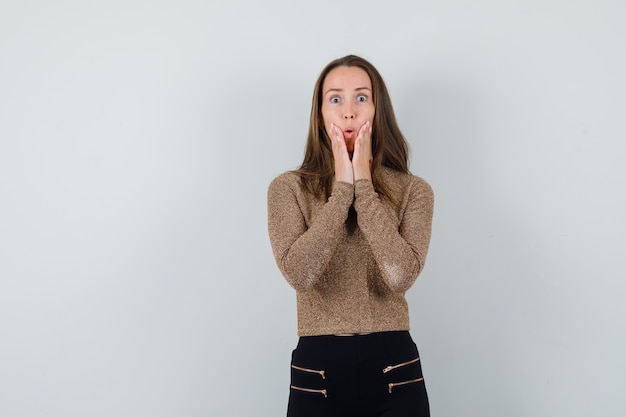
[302, 253]
[399, 251]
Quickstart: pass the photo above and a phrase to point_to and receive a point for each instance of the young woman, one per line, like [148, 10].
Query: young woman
[350, 230]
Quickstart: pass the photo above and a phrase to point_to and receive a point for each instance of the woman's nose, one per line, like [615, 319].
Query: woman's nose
[348, 113]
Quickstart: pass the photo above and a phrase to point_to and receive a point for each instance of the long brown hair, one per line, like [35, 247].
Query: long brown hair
[389, 148]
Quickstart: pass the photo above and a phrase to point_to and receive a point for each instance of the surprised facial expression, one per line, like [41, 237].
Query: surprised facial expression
[347, 102]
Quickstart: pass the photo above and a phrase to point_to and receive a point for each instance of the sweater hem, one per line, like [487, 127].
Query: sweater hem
[346, 331]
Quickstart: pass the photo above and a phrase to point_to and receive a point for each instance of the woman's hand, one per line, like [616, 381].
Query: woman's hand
[362, 157]
[343, 165]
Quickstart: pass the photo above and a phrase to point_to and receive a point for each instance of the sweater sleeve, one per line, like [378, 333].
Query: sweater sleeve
[303, 253]
[399, 250]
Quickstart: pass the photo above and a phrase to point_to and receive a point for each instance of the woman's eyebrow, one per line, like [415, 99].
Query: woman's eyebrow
[333, 90]
[338, 90]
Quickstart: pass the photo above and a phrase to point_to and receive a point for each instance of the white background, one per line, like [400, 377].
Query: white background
[137, 140]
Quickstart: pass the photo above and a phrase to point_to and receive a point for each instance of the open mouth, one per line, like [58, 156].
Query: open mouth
[348, 133]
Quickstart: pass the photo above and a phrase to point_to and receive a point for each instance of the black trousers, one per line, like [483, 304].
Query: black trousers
[372, 375]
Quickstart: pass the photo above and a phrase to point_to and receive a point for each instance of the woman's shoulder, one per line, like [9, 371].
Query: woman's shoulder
[286, 177]
[404, 180]
[288, 180]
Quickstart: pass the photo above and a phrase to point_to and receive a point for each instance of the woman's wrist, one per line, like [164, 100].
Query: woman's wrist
[362, 172]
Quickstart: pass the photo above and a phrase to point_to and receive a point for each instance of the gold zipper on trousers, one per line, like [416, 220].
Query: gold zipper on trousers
[397, 384]
[313, 371]
[316, 391]
[392, 367]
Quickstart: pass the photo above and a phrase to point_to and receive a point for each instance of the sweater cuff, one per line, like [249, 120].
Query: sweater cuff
[342, 191]
[363, 186]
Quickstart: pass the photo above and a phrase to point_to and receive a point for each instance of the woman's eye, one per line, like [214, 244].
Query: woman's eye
[334, 99]
[361, 98]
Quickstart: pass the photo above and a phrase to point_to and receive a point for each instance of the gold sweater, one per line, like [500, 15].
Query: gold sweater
[350, 271]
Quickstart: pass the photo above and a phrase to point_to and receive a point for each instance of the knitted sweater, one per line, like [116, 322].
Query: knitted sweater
[350, 268]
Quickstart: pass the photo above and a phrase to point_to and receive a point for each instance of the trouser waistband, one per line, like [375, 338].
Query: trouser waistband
[361, 346]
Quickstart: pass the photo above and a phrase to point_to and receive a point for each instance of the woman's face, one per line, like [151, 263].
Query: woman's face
[347, 102]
